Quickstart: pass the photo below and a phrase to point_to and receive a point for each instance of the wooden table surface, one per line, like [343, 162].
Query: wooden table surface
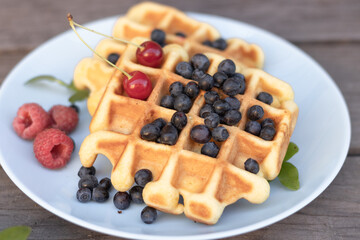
[328, 30]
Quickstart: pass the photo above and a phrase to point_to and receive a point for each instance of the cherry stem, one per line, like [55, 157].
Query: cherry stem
[72, 23]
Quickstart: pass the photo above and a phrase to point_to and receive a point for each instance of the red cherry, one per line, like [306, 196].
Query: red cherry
[150, 55]
[139, 86]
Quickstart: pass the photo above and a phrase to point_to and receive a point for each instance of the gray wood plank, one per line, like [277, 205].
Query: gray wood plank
[335, 214]
[26, 24]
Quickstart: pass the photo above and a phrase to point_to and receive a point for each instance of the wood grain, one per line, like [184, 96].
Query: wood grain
[328, 30]
[26, 24]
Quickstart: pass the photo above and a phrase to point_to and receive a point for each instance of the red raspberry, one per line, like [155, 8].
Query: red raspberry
[53, 148]
[30, 120]
[64, 118]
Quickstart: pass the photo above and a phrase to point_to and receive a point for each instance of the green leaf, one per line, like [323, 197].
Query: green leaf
[289, 176]
[15, 233]
[72, 86]
[291, 151]
[79, 95]
[47, 78]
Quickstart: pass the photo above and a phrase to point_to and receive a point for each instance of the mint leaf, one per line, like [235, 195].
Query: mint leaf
[72, 86]
[79, 95]
[47, 78]
[15, 233]
[291, 151]
[289, 176]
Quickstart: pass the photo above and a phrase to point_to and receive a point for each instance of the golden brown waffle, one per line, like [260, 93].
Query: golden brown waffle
[142, 18]
[206, 184]
[93, 73]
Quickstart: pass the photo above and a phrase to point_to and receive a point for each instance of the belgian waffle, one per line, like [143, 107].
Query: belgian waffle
[206, 184]
[140, 20]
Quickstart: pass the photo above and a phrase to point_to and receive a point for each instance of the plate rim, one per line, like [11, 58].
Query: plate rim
[219, 234]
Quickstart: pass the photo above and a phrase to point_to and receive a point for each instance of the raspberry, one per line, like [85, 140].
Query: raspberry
[53, 148]
[30, 120]
[63, 118]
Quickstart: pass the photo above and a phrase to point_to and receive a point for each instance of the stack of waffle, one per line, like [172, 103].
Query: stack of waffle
[206, 184]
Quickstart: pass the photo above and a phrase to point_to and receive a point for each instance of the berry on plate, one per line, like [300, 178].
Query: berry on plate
[148, 215]
[53, 148]
[31, 119]
[63, 118]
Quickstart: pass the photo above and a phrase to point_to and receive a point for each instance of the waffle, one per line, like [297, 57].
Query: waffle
[141, 19]
[206, 184]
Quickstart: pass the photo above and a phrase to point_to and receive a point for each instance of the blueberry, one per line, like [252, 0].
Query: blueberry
[234, 102]
[143, 176]
[219, 79]
[159, 122]
[200, 61]
[210, 149]
[182, 103]
[267, 133]
[197, 74]
[220, 44]
[200, 134]
[184, 69]
[207, 43]
[83, 195]
[88, 181]
[255, 112]
[158, 36]
[192, 90]
[136, 194]
[86, 171]
[206, 82]
[211, 97]
[176, 88]
[227, 66]
[232, 117]
[179, 120]
[122, 200]
[220, 134]
[148, 215]
[212, 120]
[251, 165]
[221, 107]
[105, 183]
[76, 108]
[267, 122]
[253, 127]
[231, 87]
[150, 132]
[265, 98]
[100, 194]
[169, 135]
[180, 34]
[206, 110]
[238, 76]
[113, 58]
[167, 101]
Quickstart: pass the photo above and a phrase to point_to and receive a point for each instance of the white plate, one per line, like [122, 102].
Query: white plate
[322, 133]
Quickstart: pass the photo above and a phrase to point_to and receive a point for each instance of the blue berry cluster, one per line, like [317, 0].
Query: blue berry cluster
[122, 200]
[166, 133]
[90, 188]
[203, 134]
[264, 129]
[180, 97]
